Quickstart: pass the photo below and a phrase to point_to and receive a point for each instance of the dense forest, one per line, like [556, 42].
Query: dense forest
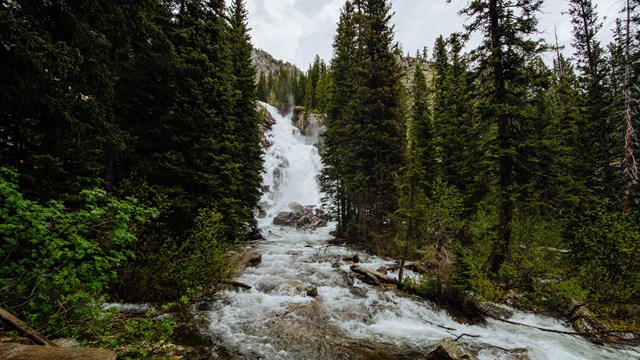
[512, 177]
[131, 158]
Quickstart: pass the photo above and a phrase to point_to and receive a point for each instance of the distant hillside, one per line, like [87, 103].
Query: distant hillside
[268, 65]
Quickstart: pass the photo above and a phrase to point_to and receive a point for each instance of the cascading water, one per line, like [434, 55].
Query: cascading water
[282, 317]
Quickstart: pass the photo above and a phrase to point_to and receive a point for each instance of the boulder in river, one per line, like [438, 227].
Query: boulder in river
[449, 350]
[302, 217]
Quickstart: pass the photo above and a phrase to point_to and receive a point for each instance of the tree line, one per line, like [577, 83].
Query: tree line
[501, 169]
[130, 153]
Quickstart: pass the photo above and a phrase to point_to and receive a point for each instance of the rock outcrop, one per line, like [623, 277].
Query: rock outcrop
[302, 217]
[310, 124]
[267, 122]
[449, 350]
[267, 64]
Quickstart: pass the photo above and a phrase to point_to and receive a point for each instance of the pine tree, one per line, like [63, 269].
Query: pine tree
[459, 136]
[373, 115]
[336, 156]
[596, 127]
[506, 27]
[261, 88]
[246, 129]
[421, 127]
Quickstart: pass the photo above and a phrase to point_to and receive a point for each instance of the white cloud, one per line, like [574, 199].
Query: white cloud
[297, 30]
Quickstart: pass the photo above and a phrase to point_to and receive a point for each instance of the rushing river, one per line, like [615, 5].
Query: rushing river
[348, 319]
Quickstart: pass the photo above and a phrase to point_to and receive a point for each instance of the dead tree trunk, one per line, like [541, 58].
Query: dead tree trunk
[631, 167]
[30, 333]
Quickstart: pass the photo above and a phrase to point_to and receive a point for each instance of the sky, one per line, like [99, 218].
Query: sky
[296, 30]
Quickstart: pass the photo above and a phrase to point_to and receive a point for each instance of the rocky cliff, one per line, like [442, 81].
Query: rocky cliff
[267, 64]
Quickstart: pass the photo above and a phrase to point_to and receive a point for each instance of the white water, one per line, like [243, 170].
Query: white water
[349, 319]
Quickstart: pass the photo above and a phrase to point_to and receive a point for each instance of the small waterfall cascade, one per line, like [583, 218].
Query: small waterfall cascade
[305, 302]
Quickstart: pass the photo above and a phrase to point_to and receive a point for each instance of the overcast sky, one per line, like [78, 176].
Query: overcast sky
[297, 30]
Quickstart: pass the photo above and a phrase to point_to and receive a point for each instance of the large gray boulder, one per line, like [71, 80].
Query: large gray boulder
[449, 350]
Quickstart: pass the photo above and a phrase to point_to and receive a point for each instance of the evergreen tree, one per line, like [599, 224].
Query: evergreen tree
[506, 27]
[337, 140]
[421, 127]
[261, 89]
[596, 126]
[373, 104]
[246, 128]
[459, 137]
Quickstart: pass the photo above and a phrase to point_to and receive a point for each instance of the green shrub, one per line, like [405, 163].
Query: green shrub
[168, 266]
[604, 254]
[56, 262]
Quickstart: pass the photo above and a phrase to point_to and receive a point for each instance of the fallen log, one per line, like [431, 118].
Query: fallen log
[371, 276]
[18, 325]
[413, 266]
[238, 284]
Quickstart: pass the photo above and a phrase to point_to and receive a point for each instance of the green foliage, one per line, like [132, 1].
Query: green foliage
[58, 261]
[132, 337]
[361, 170]
[167, 267]
[426, 287]
[604, 248]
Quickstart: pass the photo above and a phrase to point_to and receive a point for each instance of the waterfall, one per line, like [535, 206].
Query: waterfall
[292, 165]
[305, 302]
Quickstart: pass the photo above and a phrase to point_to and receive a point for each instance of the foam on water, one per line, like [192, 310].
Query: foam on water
[349, 311]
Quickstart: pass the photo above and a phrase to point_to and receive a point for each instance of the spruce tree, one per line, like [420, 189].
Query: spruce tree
[506, 27]
[421, 127]
[373, 107]
[246, 129]
[596, 127]
[336, 156]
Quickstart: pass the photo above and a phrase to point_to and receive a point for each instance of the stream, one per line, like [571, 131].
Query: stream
[348, 319]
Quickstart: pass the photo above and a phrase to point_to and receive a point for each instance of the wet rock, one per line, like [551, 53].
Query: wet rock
[66, 342]
[507, 354]
[302, 217]
[449, 350]
[253, 258]
[255, 234]
[249, 258]
[260, 212]
[382, 270]
[282, 219]
[295, 206]
[294, 287]
[583, 321]
[312, 291]
[489, 308]
[30, 352]
[303, 221]
[353, 258]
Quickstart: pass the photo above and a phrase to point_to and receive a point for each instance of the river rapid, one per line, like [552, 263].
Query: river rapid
[282, 317]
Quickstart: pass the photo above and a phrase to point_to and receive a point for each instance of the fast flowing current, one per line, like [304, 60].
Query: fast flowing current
[305, 302]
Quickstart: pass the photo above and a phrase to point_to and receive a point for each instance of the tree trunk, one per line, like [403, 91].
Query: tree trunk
[631, 167]
[409, 234]
[500, 249]
[30, 333]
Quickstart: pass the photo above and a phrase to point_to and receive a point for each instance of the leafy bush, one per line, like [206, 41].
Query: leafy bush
[604, 254]
[168, 266]
[57, 261]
